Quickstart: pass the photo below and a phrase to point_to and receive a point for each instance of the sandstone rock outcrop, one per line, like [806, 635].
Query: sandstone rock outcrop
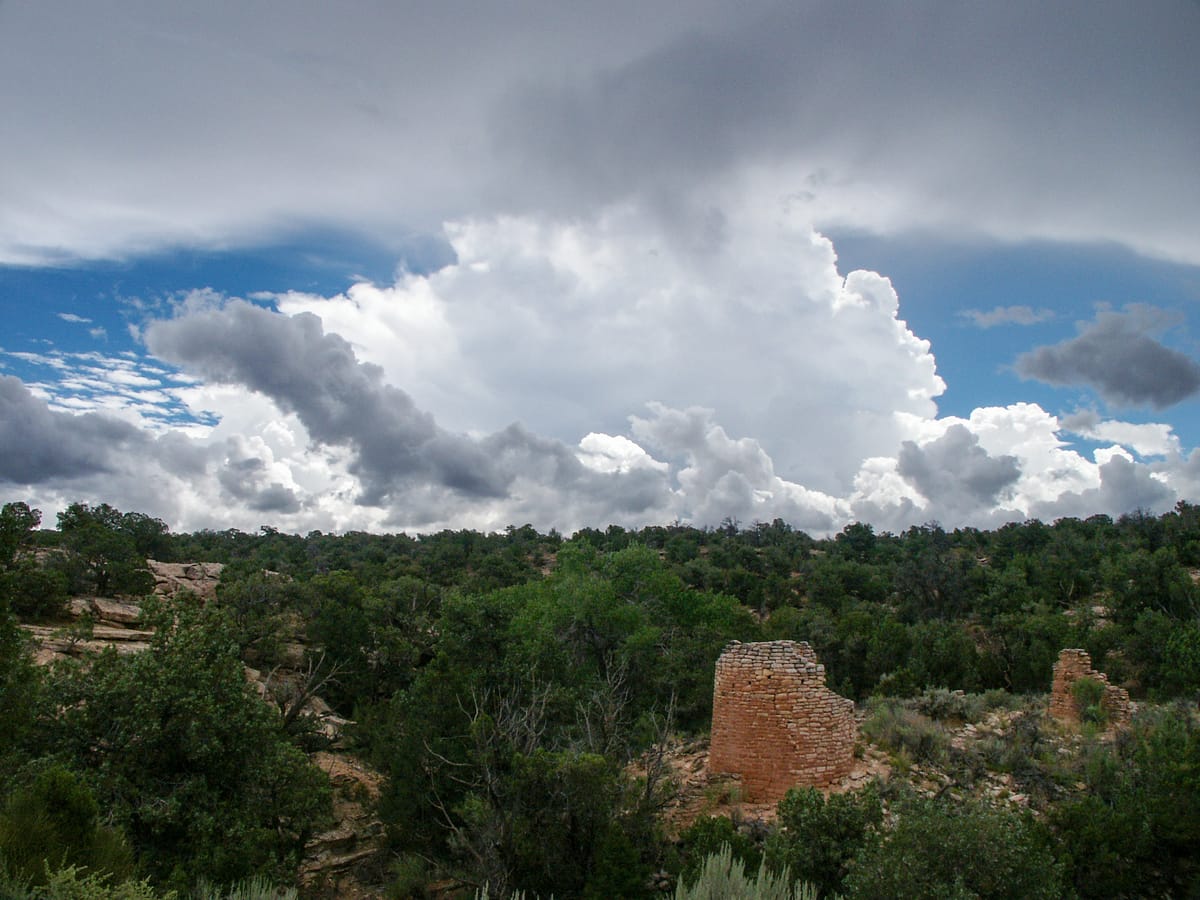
[171, 579]
[1072, 665]
[333, 858]
[775, 723]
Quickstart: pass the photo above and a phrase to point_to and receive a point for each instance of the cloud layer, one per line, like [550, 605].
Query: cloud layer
[591, 372]
[205, 126]
[622, 305]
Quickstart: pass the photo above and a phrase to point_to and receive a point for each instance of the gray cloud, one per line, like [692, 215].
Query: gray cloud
[1124, 487]
[275, 498]
[722, 477]
[339, 400]
[38, 444]
[1082, 421]
[402, 459]
[893, 116]
[242, 478]
[998, 118]
[957, 475]
[1117, 356]
[56, 457]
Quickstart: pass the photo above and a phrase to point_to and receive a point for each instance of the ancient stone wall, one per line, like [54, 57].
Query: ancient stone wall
[775, 723]
[1073, 665]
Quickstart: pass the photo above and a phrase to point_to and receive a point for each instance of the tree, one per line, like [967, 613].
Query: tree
[103, 549]
[939, 849]
[17, 523]
[1136, 830]
[20, 686]
[54, 822]
[710, 835]
[818, 838]
[192, 763]
[34, 592]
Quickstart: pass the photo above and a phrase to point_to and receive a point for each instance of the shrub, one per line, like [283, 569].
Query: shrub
[707, 835]
[409, 876]
[903, 730]
[818, 837]
[53, 823]
[1088, 694]
[71, 884]
[257, 887]
[34, 592]
[1136, 829]
[961, 850]
[723, 877]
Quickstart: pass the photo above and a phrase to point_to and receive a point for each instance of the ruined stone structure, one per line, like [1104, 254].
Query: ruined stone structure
[1073, 665]
[775, 723]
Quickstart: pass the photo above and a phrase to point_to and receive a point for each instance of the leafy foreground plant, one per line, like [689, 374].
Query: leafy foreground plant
[259, 887]
[722, 877]
[53, 823]
[71, 884]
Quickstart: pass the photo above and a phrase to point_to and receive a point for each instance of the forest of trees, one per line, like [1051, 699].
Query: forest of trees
[517, 690]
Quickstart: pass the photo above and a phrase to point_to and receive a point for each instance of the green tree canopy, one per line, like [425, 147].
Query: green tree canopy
[192, 763]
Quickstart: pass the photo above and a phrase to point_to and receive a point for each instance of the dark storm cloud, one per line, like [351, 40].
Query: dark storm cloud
[38, 444]
[339, 400]
[551, 463]
[1082, 421]
[1001, 117]
[955, 473]
[274, 498]
[402, 457]
[986, 115]
[1117, 356]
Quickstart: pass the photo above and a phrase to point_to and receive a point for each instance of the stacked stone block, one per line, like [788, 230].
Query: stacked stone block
[1073, 665]
[775, 723]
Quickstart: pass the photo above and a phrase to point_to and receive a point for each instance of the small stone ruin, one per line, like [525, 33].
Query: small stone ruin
[1073, 665]
[775, 723]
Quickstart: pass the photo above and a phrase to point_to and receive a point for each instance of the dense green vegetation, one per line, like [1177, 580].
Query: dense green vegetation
[518, 690]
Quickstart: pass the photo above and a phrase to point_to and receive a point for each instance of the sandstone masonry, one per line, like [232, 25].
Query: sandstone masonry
[1073, 665]
[775, 723]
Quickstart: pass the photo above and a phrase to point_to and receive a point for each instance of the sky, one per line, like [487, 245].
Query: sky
[389, 266]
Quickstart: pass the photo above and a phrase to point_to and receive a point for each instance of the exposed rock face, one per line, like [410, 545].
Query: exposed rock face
[335, 859]
[1073, 665]
[171, 579]
[108, 612]
[59, 643]
[775, 723]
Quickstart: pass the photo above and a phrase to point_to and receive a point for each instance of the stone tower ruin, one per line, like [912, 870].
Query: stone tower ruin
[1073, 665]
[775, 723]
